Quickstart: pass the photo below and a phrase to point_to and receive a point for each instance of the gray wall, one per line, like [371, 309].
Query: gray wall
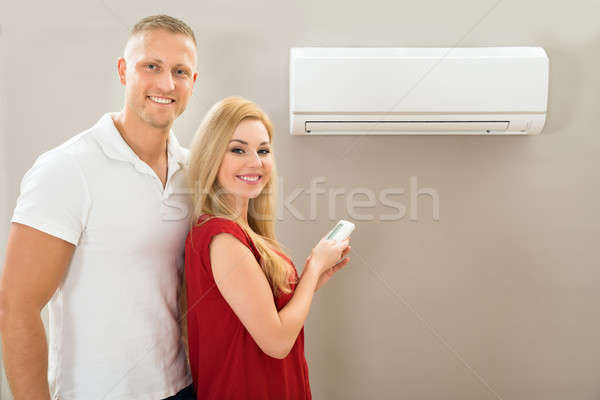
[497, 299]
[4, 204]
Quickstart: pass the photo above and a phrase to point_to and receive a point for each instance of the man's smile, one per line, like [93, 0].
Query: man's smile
[161, 100]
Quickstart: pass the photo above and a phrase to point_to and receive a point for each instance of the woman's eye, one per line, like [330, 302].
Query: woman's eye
[151, 67]
[237, 150]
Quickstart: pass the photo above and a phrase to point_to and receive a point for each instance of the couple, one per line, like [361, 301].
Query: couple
[99, 234]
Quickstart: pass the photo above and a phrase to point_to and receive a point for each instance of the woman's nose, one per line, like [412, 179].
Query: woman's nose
[255, 160]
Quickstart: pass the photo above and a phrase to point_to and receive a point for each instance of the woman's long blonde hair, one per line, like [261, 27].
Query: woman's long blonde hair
[206, 154]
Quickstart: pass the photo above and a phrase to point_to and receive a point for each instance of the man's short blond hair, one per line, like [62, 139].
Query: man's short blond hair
[165, 22]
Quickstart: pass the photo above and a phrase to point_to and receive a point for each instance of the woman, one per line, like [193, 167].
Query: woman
[246, 305]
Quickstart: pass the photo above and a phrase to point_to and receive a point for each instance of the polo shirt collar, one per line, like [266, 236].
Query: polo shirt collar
[114, 146]
[176, 152]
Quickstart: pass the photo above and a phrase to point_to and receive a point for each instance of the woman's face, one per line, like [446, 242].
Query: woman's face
[246, 166]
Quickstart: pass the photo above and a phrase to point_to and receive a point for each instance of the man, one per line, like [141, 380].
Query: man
[98, 232]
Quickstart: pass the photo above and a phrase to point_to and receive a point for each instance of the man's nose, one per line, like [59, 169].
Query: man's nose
[165, 82]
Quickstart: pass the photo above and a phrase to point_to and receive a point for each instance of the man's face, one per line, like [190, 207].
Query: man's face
[158, 71]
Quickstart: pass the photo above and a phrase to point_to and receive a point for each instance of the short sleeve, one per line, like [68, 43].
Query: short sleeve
[202, 234]
[53, 197]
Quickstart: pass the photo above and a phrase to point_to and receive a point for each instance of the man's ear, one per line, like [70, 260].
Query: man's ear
[194, 77]
[121, 69]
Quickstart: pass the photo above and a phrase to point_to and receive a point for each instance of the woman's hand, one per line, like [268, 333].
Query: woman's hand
[327, 258]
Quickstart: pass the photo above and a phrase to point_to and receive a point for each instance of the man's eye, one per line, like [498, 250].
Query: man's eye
[181, 72]
[151, 67]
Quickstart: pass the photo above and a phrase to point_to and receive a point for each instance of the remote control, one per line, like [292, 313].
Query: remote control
[341, 231]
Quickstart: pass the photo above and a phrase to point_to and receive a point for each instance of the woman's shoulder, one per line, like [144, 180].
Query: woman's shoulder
[207, 226]
[209, 220]
[207, 223]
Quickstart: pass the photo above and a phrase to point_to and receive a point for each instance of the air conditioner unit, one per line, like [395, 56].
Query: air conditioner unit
[418, 91]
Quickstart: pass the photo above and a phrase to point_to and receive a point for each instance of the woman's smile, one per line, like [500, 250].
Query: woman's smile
[249, 179]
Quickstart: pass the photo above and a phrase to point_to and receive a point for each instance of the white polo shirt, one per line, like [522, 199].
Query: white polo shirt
[113, 321]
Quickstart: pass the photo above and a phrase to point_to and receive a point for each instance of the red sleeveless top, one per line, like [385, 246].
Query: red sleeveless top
[225, 361]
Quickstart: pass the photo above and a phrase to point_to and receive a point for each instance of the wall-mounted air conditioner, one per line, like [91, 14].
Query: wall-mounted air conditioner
[422, 91]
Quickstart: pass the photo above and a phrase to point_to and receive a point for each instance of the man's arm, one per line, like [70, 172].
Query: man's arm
[35, 265]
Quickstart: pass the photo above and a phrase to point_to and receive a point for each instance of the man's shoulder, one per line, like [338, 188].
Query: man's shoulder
[79, 148]
[63, 164]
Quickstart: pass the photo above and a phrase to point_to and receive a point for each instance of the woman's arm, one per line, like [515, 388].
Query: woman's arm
[244, 286]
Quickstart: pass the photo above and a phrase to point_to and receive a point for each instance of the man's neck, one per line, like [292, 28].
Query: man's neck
[148, 142]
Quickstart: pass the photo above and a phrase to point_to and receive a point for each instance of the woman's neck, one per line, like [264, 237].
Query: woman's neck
[239, 205]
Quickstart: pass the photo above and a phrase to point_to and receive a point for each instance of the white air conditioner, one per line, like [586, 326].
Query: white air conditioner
[419, 91]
